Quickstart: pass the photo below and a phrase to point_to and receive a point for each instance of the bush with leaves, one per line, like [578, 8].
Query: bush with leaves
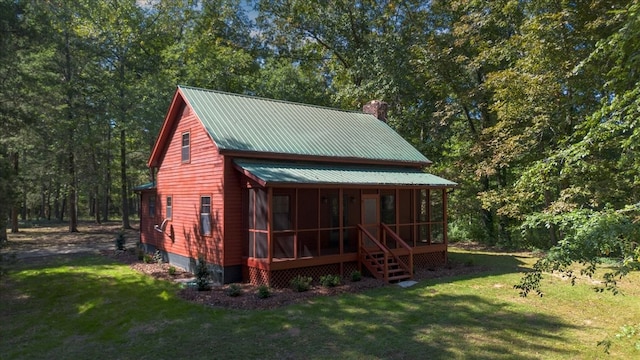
[263, 292]
[330, 280]
[234, 290]
[356, 276]
[590, 238]
[202, 275]
[301, 283]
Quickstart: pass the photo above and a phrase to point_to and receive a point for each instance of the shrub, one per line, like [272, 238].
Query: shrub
[120, 241]
[356, 276]
[172, 270]
[330, 280]
[147, 259]
[301, 283]
[202, 275]
[264, 292]
[234, 290]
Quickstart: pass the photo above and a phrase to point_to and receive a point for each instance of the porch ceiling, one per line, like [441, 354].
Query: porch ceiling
[281, 173]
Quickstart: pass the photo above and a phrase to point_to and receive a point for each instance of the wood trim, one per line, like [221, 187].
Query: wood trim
[298, 263]
[167, 126]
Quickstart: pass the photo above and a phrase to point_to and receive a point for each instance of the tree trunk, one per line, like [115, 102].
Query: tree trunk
[107, 185]
[73, 206]
[14, 209]
[123, 178]
[96, 205]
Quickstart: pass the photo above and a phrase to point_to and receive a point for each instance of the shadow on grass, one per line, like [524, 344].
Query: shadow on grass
[414, 325]
[91, 307]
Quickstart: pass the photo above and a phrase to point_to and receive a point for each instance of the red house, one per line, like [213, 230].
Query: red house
[265, 190]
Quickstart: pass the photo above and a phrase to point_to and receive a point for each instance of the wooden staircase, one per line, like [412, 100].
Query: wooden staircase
[394, 272]
[381, 262]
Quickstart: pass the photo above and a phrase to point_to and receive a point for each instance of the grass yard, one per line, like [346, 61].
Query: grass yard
[89, 307]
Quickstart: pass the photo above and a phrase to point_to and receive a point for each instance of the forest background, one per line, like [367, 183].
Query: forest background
[531, 106]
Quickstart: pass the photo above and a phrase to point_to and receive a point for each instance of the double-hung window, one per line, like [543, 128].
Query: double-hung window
[186, 147]
[169, 206]
[205, 215]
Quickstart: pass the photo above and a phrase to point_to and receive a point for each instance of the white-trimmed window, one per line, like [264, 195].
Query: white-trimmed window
[186, 147]
[205, 215]
[169, 206]
[152, 205]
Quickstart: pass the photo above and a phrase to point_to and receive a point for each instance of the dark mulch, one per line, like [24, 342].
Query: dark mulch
[249, 300]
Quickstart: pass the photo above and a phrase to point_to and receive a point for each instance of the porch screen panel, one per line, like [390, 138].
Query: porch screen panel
[281, 212]
[283, 246]
[405, 209]
[307, 243]
[436, 205]
[330, 242]
[422, 217]
[351, 207]
[437, 216]
[329, 209]
[307, 209]
[261, 209]
[251, 211]
[350, 240]
[388, 207]
[261, 245]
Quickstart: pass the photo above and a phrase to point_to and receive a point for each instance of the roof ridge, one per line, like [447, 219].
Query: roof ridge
[254, 97]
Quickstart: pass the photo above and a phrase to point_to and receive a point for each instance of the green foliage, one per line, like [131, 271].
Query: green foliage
[356, 276]
[263, 292]
[202, 275]
[172, 270]
[301, 283]
[589, 236]
[330, 280]
[233, 290]
[147, 258]
[626, 332]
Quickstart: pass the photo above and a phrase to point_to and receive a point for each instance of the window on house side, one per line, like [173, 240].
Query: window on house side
[205, 215]
[186, 147]
[169, 207]
[152, 205]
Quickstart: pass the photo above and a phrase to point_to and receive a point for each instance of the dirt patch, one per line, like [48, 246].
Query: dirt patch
[249, 300]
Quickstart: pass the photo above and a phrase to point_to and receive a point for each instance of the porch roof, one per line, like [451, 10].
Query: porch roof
[269, 173]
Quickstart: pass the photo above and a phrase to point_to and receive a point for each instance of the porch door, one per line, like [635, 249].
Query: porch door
[371, 216]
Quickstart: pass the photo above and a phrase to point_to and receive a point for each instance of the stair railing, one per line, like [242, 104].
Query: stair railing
[386, 231]
[364, 253]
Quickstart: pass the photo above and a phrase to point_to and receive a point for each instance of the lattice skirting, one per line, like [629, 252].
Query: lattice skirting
[429, 260]
[282, 278]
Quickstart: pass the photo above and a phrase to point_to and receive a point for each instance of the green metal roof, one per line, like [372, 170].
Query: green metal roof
[245, 123]
[274, 173]
[147, 186]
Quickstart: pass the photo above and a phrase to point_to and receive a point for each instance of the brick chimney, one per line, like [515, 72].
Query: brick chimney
[376, 108]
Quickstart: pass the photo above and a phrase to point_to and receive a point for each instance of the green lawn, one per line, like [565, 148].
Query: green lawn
[92, 308]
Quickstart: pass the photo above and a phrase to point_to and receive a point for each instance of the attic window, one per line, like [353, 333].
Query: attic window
[186, 147]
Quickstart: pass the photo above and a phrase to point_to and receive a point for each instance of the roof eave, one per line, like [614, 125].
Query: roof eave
[328, 159]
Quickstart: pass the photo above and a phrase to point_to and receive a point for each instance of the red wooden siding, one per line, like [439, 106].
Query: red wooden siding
[234, 233]
[186, 182]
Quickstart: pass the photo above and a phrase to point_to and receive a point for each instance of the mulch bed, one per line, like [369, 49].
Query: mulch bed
[249, 300]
